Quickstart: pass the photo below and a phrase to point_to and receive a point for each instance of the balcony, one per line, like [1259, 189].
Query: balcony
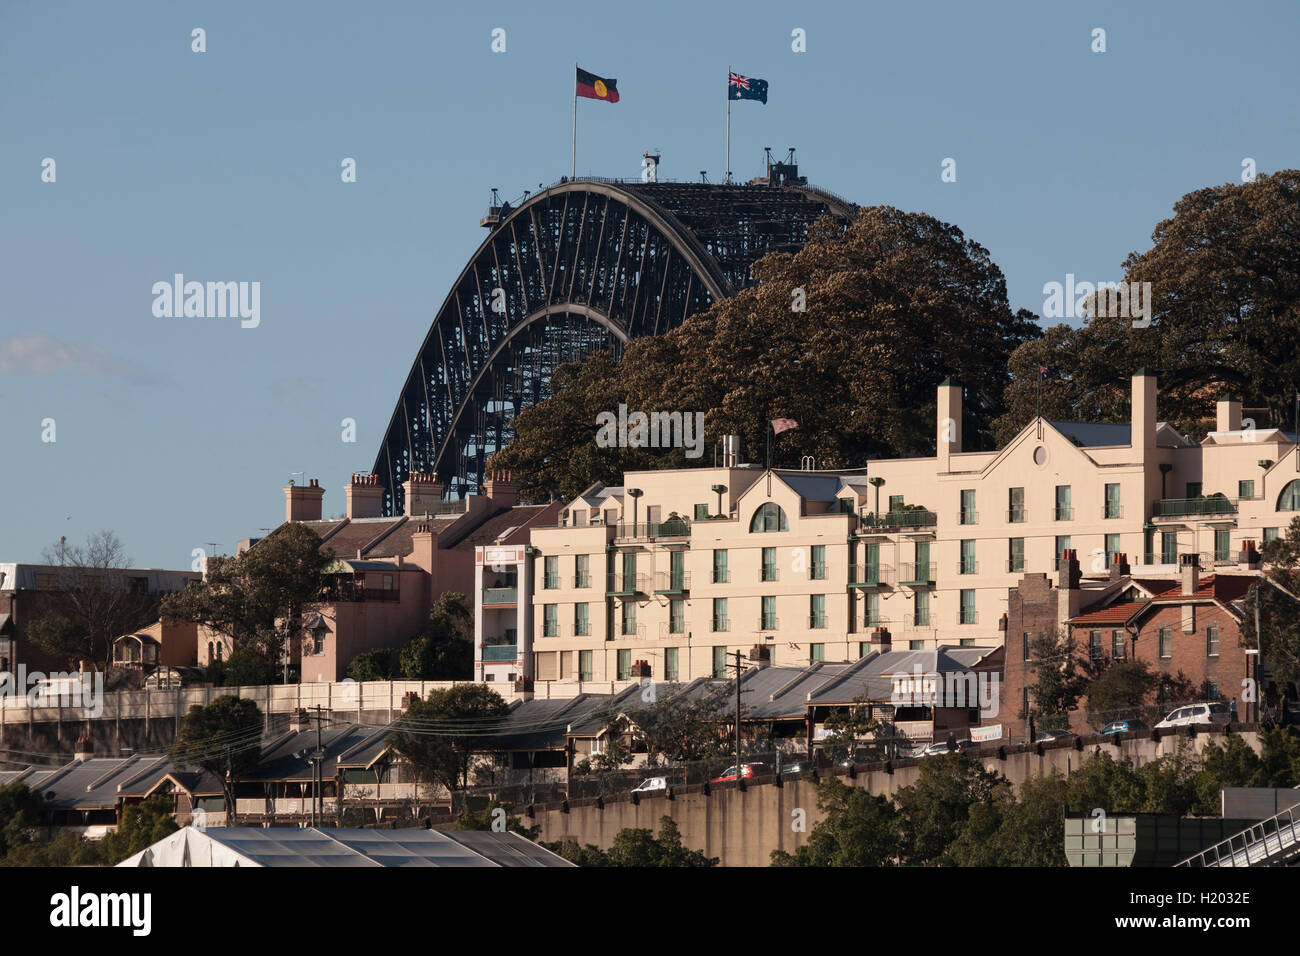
[1017, 516]
[771, 572]
[1064, 513]
[672, 528]
[1015, 565]
[721, 625]
[1194, 507]
[918, 575]
[869, 575]
[497, 653]
[669, 582]
[582, 579]
[968, 566]
[968, 615]
[817, 622]
[625, 585]
[672, 628]
[551, 580]
[500, 597]
[582, 629]
[632, 630]
[900, 520]
[769, 622]
[1111, 510]
[721, 576]
[968, 516]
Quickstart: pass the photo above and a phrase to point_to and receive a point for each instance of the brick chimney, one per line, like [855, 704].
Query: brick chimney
[423, 493]
[1227, 415]
[947, 437]
[1249, 554]
[881, 639]
[365, 496]
[85, 749]
[299, 720]
[1068, 594]
[502, 489]
[303, 502]
[423, 545]
[1142, 437]
[1119, 566]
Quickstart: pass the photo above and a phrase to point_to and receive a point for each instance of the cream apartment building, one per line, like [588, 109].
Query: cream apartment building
[671, 574]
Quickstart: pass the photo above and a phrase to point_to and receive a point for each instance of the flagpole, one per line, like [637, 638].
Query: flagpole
[727, 177]
[574, 171]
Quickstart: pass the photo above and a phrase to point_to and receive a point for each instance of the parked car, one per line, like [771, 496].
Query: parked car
[1123, 727]
[651, 784]
[747, 770]
[798, 767]
[1046, 736]
[941, 747]
[1208, 714]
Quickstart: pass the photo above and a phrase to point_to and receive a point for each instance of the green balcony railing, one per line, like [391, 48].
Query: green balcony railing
[668, 582]
[869, 575]
[500, 596]
[918, 575]
[673, 527]
[625, 585]
[900, 520]
[1194, 507]
[500, 652]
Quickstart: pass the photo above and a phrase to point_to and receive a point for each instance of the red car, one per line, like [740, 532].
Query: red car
[747, 770]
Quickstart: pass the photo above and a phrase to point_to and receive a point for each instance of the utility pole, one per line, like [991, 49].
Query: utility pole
[739, 672]
[318, 776]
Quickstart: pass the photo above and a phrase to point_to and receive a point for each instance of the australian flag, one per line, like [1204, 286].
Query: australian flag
[746, 88]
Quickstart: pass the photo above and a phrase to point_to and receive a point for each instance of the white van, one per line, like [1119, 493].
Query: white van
[1215, 712]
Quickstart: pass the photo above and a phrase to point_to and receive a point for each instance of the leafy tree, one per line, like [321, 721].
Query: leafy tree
[256, 598]
[98, 605]
[1230, 764]
[846, 726]
[1123, 689]
[372, 665]
[679, 728]
[246, 667]
[1113, 785]
[1171, 783]
[1279, 616]
[487, 818]
[444, 649]
[858, 829]
[1280, 760]
[895, 302]
[143, 824]
[441, 736]
[934, 811]
[1225, 294]
[20, 811]
[66, 849]
[619, 733]
[577, 854]
[1058, 682]
[637, 847]
[1025, 830]
[224, 738]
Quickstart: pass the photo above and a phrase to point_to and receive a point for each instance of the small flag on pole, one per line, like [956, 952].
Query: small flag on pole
[746, 88]
[783, 425]
[595, 87]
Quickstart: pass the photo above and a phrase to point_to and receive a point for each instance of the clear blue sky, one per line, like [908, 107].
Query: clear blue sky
[225, 166]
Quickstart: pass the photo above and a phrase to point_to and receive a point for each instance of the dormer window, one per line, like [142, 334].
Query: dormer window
[769, 517]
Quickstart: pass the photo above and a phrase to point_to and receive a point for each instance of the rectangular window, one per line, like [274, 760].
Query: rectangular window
[769, 564]
[872, 566]
[387, 584]
[922, 571]
[871, 615]
[1112, 549]
[1062, 545]
[1015, 505]
[719, 614]
[629, 573]
[584, 665]
[967, 606]
[677, 570]
[967, 564]
[1212, 641]
[1221, 544]
[1064, 512]
[921, 609]
[1168, 547]
[864, 648]
[817, 611]
[582, 620]
[677, 616]
[968, 514]
[719, 662]
[818, 569]
[1113, 509]
[624, 663]
[582, 572]
[552, 573]
[916, 645]
[550, 620]
[629, 619]
[1166, 642]
[768, 622]
[1094, 645]
[1193, 489]
[670, 663]
[896, 502]
[1270, 534]
[1016, 554]
[701, 512]
[816, 653]
[720, 573]
[1027, 639]
[1246, 489]
[1117, 646]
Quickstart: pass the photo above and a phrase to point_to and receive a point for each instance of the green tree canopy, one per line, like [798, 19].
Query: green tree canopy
[224, 738]
[444, 649]
[441, 736]
[858, 829]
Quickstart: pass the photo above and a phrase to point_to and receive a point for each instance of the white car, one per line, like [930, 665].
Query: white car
[651, 784]
[1215, 712]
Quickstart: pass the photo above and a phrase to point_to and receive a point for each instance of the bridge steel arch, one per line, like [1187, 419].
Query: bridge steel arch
[582, 266]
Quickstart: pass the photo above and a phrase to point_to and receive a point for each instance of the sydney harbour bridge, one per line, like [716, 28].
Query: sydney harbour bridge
[583, 265]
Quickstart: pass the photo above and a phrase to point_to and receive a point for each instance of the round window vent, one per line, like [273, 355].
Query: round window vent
[1040, 455]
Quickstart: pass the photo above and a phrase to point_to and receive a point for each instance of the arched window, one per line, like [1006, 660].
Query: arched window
[1289, 499]
[210, 657]
[769, 517]
[220, 648]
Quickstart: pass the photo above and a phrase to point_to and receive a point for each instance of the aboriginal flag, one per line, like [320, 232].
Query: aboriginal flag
[594, 87]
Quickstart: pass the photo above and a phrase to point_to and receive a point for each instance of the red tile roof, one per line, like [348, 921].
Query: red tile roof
[1224, 588]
